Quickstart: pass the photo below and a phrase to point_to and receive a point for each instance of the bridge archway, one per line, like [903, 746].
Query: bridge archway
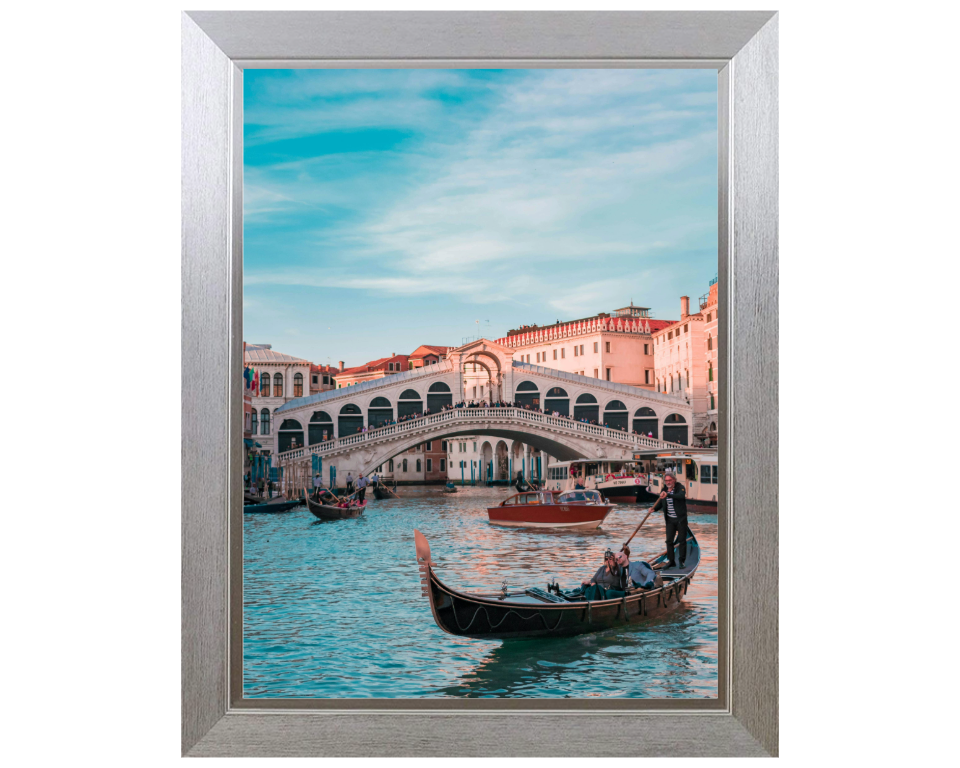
[615, 415]
[477, 393]
[320, 427]
[438, 396]
[645, 422]
[380, 411]
[501, 464]
[676, 429]
[290, 435]
[527, 393]
[409, 403]
[557, 400]
[486, 461]
[587, 408]
[350, 421]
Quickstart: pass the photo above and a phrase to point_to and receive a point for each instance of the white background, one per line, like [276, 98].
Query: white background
[91, 318]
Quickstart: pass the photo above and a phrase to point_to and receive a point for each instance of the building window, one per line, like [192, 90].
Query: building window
[313, 379]
[418, 465]
[390, 466]
[646, 351]
[708, 317]
[264, 385]
[669, 335]
[646, 377]
[298, 385]
[264, 422]
[563, 352]
[709, 342]
[253, 422]
[596, 373]
[429, 445]
[443, 465]
[528, 358]
[576, 351]
[277, 385]
[712, 403]
[554, 354]
[581, 349]
[596, 346]
[429, 465]
[686, 327]
[474, 446]
[326, 379]
[443, 446]
[608, 346]
[608, 374]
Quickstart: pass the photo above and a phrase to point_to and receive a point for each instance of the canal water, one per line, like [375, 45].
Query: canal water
[333, 609]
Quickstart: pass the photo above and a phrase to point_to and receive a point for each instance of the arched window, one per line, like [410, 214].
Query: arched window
[438, 396]
[320, 427]
[709, 342]
[289, 436]
[264, 422]
[557, 400]
[586, 397]
[527, 394]
[298, 385]
[409, 403]
[438, 387]
[277, 385]
[350, 421]
[615, 415]
[379, 412]
[253, 422]
[265, 385]
[645, 422]
[527, 386]
[586, 408]
[675, 429]
[390, 466]
[404, 465]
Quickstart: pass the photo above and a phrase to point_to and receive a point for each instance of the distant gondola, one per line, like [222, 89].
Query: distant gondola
[273, 506]
[539, 613]
[381, 492]
[331, 512]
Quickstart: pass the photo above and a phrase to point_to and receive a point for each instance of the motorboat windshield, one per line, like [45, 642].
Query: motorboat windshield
[581, 497]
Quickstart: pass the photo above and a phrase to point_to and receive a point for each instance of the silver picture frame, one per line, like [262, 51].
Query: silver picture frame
[216, 48]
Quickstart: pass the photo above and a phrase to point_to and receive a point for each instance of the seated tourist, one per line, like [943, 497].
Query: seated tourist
[607, 582]
[639, 574]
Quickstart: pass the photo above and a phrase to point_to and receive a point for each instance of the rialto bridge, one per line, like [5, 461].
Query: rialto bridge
[358, 428]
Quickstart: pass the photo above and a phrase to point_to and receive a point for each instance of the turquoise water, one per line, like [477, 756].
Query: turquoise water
[333, 609]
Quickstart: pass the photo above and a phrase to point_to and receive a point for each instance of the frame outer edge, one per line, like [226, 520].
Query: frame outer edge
[206, 239]
[754, 386]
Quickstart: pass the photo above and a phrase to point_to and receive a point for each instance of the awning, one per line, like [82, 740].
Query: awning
[248, 443]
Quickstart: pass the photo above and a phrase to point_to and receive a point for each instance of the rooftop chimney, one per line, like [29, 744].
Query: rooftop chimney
[341, 365]
[684, 306]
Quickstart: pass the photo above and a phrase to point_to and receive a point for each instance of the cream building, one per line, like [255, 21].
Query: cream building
[614, 347]
[282, 378]
[686, 363]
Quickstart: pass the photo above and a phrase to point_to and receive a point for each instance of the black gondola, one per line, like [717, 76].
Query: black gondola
[273, 506]
[381, 492]
[539, 613]
[331, 512]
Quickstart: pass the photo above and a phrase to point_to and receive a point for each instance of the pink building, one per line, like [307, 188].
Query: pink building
[709, 307]
[614, 346]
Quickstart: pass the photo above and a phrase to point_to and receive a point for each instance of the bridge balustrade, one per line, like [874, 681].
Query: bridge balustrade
[468, 416]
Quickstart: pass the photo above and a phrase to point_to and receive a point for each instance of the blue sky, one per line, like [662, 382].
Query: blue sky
[384, 209]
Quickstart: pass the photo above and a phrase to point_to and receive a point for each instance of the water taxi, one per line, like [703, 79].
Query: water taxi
[640, 479]
[548, 509]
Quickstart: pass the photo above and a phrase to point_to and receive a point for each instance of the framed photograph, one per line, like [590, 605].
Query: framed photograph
[479, 384]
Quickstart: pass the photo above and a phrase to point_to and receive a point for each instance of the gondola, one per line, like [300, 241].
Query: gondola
[381, 492]
[537, 612]
[273, 506]
[330, 512]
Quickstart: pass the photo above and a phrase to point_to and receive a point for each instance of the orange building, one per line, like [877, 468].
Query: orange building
[385, 366]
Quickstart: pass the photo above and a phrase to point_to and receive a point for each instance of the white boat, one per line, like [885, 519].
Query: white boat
[641, 479]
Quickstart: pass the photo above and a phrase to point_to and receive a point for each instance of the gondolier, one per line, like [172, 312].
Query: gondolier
[361, 487]
[349, 483]
[673, 502]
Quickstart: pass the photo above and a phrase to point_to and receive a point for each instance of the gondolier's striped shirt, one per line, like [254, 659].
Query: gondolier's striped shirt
[670, 510]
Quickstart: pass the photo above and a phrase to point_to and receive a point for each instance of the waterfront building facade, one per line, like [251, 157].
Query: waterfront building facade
[481, 458]
[322, 378]
[615, 346]
[282, 378]
[425, 463]
[423, 355]
[686, 363]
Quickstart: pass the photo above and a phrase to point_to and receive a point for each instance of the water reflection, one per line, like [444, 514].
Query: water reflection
[333, 608]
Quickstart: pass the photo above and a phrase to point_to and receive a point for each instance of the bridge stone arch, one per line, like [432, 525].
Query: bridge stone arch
[615, 414]
[559, 446]
[320, 428]
[586, 407]
[409, 403]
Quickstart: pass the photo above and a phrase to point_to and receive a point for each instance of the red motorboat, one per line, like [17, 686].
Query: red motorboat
[551, 509]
